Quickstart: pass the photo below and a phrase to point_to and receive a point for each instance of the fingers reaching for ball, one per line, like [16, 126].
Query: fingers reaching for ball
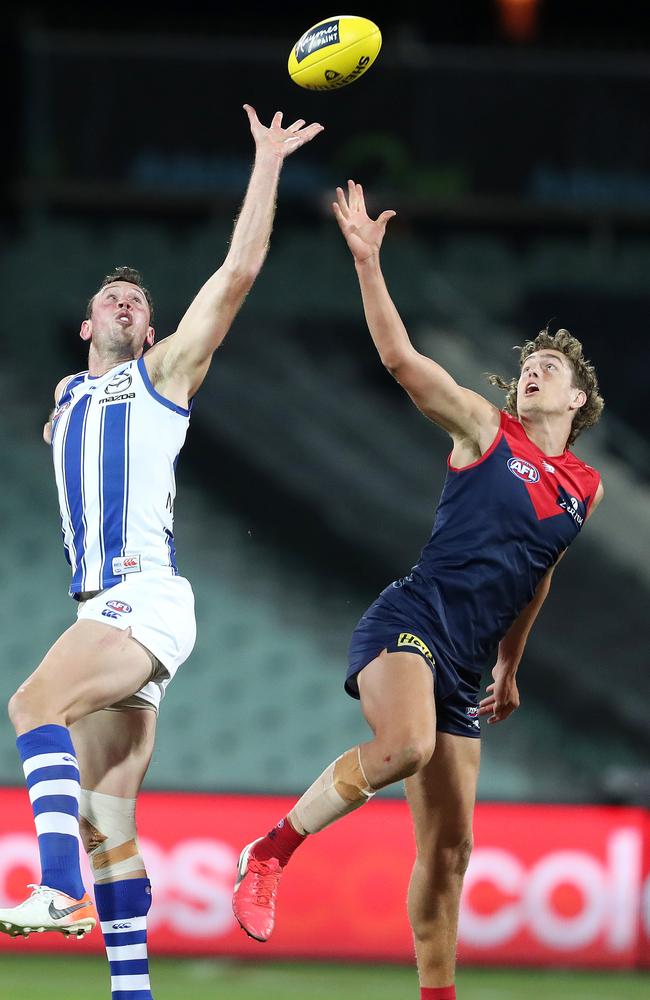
[281, 141]
[356, 203]
[363, 235]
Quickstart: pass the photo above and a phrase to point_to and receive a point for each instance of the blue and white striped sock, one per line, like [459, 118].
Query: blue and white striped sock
[52, 775]
[122, 907]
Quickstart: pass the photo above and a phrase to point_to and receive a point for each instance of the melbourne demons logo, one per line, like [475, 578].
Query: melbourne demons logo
[523, 470]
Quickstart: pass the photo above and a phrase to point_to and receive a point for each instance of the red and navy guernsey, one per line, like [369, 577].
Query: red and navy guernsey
[500, 524]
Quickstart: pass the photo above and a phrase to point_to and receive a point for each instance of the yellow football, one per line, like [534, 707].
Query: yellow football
[334, 53]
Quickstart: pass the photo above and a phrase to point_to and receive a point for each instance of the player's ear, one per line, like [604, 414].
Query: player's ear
[151, 336]
[86, 330]
[579, 399]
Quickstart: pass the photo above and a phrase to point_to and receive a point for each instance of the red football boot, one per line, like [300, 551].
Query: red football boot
[255, 893]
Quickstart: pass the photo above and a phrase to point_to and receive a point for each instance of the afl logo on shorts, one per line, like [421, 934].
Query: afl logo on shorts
[119, 606]
[523, 470]
[118, 384]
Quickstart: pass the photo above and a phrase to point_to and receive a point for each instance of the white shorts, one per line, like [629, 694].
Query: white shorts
[159, 610]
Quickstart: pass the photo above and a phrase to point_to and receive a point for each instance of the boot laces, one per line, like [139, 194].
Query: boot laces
[40, 890]
[265, 881]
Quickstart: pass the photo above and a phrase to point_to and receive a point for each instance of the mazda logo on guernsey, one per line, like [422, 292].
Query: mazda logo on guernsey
[120, 383]
[523, 470]
[119, 606]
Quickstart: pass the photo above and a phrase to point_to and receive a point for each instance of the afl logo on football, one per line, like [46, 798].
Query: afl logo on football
[119, 606]
[523, 470]
[118, 384]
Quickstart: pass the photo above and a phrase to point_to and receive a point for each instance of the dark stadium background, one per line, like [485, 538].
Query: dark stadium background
[518, 159]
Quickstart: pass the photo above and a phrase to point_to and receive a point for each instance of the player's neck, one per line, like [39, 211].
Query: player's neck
[548, 433]
[100, 362]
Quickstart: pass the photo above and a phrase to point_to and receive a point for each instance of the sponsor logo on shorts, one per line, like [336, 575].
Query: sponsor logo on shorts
[317, 38]
[120, 607]
[408, 639]
[472, 711]
[523, 470]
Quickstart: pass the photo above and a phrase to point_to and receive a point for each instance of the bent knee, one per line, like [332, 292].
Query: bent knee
[20, 710]
[410, 753]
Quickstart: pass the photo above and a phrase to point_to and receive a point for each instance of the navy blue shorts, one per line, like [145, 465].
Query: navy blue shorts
[456, 693]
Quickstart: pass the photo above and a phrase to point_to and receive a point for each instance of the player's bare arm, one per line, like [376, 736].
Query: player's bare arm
[470, 419]
[47, 429]
[502, 696]
[178, 365]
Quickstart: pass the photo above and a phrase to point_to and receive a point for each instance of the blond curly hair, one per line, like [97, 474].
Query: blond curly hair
[584, 377]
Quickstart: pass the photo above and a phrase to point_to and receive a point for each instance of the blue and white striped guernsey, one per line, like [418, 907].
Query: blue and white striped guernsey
[115, 444]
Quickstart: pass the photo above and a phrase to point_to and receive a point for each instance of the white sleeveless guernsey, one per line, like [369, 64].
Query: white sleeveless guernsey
[115, 443]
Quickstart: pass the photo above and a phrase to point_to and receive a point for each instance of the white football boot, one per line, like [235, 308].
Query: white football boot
[49, 910]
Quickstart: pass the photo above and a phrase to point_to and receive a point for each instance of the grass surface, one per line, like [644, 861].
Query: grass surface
[83, 978]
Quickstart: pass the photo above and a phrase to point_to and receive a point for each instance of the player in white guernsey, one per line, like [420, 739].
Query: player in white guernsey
[86, 718]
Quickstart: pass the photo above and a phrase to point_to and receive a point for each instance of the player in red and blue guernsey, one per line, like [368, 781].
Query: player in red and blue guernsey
[515, 497]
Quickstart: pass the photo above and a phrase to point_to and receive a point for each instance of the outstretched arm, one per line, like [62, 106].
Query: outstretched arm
[178, 365]
[463, 413]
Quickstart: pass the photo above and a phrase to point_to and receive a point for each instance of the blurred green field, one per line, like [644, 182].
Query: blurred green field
[26, 977]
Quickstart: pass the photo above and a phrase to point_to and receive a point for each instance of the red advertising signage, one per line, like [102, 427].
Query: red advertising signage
[547, 885]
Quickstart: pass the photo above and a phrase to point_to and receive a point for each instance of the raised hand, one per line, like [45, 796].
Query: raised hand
[363, 235]
[280, 141]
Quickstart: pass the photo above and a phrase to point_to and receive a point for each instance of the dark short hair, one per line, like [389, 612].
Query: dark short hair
[122, 274]
[584, 377]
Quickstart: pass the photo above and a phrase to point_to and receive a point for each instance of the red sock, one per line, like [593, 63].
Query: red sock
[437, 993]
[280, 843]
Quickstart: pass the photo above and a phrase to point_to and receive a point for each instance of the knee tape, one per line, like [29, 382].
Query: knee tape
[112, 838]
[341, 788]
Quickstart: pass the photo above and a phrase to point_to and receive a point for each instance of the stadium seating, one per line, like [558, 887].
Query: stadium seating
[288, 520]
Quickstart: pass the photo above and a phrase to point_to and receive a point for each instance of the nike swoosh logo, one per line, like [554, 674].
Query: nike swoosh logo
[59, 914]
